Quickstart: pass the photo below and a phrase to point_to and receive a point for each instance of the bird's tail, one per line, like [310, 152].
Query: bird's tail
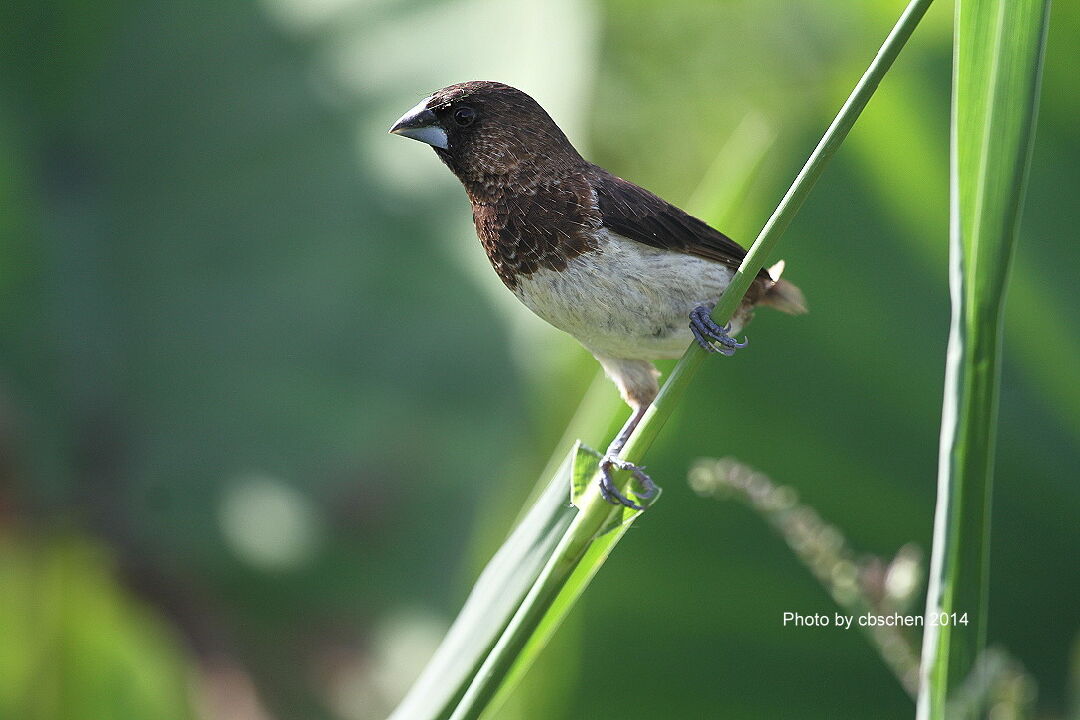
[782, 295]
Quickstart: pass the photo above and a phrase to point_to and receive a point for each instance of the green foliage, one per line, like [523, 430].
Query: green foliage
[76, 645]
[998, 60]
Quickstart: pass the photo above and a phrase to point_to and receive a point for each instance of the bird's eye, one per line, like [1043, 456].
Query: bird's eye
[464, 116]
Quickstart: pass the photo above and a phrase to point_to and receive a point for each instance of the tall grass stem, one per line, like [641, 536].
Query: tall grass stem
[998, 51]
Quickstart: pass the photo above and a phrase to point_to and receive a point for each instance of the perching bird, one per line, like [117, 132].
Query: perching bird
[615, 266]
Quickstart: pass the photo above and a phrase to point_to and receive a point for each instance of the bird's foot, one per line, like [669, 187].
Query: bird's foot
[714, 338]
[610, 492]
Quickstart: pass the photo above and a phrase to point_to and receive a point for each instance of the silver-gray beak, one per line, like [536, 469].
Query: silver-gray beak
[421, 124]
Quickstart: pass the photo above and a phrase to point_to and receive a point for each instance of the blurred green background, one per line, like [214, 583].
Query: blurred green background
[265, 410]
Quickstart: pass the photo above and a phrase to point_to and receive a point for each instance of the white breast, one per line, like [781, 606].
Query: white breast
[625, 299]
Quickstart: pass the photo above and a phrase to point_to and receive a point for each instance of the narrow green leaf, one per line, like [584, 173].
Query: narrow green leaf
[586, 465]
[998, 52]
[491, 603]
[586, 462]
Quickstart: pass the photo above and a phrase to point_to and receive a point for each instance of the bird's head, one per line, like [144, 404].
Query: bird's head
[487, 131]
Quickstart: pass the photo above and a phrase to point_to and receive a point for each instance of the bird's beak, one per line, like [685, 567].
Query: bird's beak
[421, 124]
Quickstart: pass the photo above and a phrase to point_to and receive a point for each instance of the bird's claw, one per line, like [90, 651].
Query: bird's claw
[710, 336]
[610, 491]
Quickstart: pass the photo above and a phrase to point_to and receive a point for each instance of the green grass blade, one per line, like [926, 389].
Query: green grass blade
[491, 603]
[998, 59]
[583, 548]
[577, 558]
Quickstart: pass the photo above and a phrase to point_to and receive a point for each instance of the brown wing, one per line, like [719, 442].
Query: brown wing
[636, 213]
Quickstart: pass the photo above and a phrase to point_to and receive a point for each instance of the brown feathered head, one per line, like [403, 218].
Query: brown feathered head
[488, 132]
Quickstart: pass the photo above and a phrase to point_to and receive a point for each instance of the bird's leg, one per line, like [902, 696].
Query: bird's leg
[611, 461]
[627, 430]
[714, 338]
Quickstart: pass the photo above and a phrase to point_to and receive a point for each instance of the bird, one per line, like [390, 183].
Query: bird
[629, 275]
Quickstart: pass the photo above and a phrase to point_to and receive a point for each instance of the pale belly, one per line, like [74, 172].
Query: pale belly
[626, 300]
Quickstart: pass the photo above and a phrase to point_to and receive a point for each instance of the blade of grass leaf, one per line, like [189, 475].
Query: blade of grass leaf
[567, 572]
[998, 50]
[494, 597]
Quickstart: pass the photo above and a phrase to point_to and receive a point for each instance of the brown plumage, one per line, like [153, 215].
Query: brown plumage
[607, 261]
[542, 227]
